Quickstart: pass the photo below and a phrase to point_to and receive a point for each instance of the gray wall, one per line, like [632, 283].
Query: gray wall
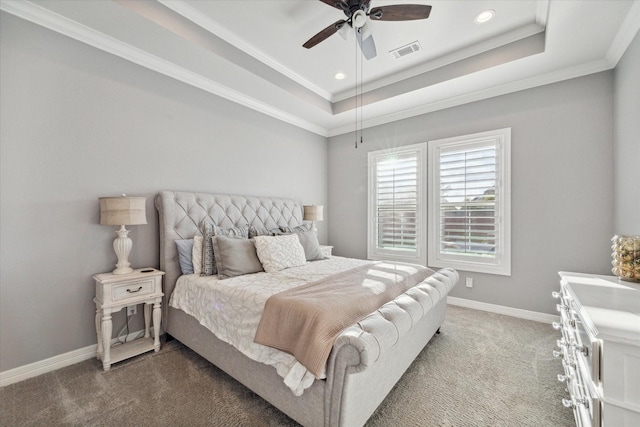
[77, 124]
[627, 141]
[562, 181]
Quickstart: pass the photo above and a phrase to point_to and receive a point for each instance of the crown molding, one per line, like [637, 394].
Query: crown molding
[67, 27]
[625, 35]
[504, 89]
[542, 13]
[198, 18]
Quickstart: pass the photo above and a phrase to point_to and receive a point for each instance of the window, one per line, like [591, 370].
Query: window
[397, 211]
[469, 202]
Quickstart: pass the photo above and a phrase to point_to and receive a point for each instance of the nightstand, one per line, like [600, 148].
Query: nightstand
[326, 250]
[117, 291]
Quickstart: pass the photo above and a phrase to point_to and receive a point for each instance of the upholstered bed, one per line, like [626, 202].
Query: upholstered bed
[367, 358]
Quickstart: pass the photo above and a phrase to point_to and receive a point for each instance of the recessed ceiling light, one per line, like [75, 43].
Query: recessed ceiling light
[340, 76]
[484, 16]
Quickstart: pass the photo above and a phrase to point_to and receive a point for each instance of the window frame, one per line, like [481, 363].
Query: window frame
[419, 255]
[501, 263]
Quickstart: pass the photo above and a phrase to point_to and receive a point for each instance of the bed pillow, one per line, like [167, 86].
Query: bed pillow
[185, 251]
[279, 252]
[210, 230]
[310, 244]
[235, 257]
[196, 255]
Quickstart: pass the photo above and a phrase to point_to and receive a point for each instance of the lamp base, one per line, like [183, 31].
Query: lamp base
[122, 246]
[122, 270]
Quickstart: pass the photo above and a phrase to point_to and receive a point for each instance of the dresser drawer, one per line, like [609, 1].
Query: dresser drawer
[133, 289]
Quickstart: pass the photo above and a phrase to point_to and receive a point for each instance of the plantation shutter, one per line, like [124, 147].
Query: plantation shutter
[468, 221]
[396, 201]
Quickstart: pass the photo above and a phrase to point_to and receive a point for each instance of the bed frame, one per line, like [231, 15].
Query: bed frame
[367, 359]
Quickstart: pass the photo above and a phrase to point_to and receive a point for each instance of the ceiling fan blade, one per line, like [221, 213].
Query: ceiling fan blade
[338, 4]
[324, 34]
[400, 12]
[367, 45]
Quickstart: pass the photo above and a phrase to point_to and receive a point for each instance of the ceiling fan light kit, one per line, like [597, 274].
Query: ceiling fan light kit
[357, 12]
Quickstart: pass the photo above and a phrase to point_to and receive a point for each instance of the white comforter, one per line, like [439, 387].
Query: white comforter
[232, 308]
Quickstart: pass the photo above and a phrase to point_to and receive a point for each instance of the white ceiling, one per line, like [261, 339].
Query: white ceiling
[250, 51]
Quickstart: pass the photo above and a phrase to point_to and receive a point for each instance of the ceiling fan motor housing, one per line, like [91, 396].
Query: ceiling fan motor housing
[358, 19]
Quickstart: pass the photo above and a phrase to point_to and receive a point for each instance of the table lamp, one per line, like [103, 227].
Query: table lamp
[312, 213]
[122, 211]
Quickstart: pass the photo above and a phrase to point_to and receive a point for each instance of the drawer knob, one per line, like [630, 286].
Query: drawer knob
[556, 353]
[556, 295]
[561, 343]
[563, 378]
[133, 292]
[562, 306]
[573, 403]
[556, 325]
[581, 349]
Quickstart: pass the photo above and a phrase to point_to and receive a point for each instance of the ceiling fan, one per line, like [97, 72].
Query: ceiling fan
[357, 12]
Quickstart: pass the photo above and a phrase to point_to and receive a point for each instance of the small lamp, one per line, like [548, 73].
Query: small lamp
[122, 211]
[312, 213]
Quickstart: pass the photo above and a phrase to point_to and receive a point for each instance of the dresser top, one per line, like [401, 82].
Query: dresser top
[612, 305]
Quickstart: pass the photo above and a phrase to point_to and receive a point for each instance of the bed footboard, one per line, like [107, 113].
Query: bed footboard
[370, 357]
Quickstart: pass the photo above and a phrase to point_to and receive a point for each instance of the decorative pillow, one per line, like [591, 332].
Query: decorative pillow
[262, 231]
[196, 255]
[185, 251]
[279, 252]
[296, 229]
[208, 232]
[234, 233]
[235, 257]
[309, 241]
[208, 261]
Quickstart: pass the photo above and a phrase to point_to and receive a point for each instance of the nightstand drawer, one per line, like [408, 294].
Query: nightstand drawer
[132, 289]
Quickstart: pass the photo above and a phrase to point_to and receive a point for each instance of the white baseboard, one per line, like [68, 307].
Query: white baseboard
[51, 364]
[47, 365]
[56, 362]
[501, 309]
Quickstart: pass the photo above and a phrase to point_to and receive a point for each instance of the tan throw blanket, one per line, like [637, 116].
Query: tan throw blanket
[306, 320]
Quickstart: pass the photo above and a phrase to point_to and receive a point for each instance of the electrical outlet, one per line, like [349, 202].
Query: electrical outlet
[469, 282]
[132, 310]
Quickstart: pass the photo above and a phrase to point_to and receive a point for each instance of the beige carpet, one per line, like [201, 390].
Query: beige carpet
[484, 369]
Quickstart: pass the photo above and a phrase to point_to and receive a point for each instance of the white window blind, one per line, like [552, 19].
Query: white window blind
[469, 192]
[397, 202]
[468, 200]
[396, 199]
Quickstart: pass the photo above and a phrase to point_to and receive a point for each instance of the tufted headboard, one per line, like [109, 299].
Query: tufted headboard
[182, 213]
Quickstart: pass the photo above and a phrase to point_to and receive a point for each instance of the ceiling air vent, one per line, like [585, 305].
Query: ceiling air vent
[406, 50]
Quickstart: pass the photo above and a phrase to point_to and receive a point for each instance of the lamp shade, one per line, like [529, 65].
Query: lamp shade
[123, 210]
[312, 213]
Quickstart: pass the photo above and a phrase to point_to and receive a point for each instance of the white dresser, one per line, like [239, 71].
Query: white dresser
[600, 349]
